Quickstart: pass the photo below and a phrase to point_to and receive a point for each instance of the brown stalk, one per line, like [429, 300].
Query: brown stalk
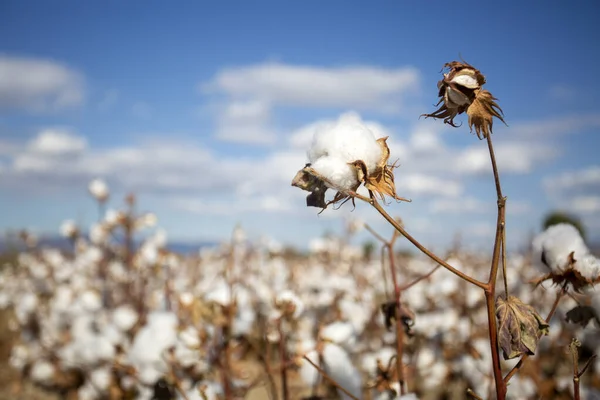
[389, 246]
[423, 249]
[516, 368]
[330, 379]
[490, 287]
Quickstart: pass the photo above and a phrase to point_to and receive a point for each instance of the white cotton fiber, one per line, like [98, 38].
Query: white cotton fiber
[337, 171]
[124, 317]
[339, 366]
[337, 144]
[339, 332]
[556, 243]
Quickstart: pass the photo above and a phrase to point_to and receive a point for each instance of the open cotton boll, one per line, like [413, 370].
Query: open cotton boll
[348, 139]
[309, 373]
[124, 317]
[42, 371]
[339, 332]
[337, 171]
[339, 366]
[204, 390]
[146, 353]
[554, 246]
[287, 300]
[589, 266]
[101, 378]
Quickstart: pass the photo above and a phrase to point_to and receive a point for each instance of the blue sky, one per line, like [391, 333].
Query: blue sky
[205, 110]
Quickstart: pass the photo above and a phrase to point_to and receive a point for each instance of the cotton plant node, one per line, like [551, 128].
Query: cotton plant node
[461, 90]
[519, 327]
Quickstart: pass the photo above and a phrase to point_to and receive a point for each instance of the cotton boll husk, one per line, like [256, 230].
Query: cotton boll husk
[556, 244]
[369, 360]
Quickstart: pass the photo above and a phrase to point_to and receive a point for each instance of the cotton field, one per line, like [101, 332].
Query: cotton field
[114, 317]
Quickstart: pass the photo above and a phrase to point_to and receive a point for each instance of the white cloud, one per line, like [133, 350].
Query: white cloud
[420, 184]
[56, 141]
[357, 87]
[38, 85]
[563, 125]
[584, 179]
[459, 206]
[517, 157]
[246, 122]
[585, 204]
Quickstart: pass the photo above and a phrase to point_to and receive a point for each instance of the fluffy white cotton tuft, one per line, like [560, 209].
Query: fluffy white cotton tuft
[287, 297]
[125, 317]
[337, 144]
[339, 366]
[98, 189]
[554, 246]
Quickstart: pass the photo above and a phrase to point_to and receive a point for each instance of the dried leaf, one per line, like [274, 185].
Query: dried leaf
[481, 113]
[389, 315]
[582, 315]
[519, 327]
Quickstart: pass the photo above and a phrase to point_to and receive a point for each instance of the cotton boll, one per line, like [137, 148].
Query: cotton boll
[206, 390]
[25, 307]
[589, 266]
[98, 234]
[98, 189]
[146, 352]
[348, 139]
[124, 317]
[308, 373]
[286, 299]
[19, 357]
[339, 366]
[68, 229]
[339, 332]
[42, 372]
[337, 171]
[101, 378]
[88, 392]
[554, 246]
[220, 294]
[90, 301]
[519, 388]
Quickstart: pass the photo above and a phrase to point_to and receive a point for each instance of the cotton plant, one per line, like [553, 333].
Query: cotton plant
[345, 156]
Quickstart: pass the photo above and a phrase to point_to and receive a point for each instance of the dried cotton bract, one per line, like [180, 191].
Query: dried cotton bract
[343, 156]
[461, 90]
